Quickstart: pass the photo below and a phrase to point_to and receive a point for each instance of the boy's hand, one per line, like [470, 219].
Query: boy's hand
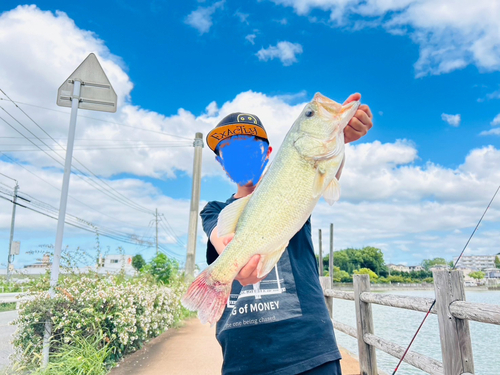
[248, 274]
[360, 123]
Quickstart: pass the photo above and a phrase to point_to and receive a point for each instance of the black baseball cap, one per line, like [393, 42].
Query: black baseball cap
[236, 124]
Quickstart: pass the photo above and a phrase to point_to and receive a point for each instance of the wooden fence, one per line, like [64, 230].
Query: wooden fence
[453, 313]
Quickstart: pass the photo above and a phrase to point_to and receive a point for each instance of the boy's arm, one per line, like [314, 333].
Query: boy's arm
[248, 274]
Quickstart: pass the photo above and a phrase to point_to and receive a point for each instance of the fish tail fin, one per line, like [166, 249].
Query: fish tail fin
[208, 297]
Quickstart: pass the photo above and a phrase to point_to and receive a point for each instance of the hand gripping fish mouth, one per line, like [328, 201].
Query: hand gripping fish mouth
[264, 222]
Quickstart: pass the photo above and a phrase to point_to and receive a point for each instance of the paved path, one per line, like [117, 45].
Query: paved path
[191, 349]
[6, 332]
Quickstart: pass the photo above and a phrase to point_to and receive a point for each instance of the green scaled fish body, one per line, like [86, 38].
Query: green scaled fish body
[264, 222]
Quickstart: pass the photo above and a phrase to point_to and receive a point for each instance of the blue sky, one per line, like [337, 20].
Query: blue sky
[415, 185]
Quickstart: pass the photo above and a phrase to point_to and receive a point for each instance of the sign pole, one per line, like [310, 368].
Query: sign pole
[54, 272]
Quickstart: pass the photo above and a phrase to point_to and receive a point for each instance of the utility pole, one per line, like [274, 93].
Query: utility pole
[156, 216]
[320, 269]
[10, 258]
[330, 263]
[195, 202]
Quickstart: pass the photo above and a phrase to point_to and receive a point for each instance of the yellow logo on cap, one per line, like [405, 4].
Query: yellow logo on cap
[243, 117]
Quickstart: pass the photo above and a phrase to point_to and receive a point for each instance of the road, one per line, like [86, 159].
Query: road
[6, 332]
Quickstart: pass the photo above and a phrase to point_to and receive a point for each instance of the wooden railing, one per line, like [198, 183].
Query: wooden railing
[453, 314]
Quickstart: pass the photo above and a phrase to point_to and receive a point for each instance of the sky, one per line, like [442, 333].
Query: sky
[415, 186]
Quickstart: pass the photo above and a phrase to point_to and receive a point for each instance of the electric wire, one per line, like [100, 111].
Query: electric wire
[116, 195]
[454, 266]
[48, 183]
[96, 119]
[170, 232]
[71, 223]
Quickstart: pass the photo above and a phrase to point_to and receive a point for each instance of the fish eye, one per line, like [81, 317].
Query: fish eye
[309, 113]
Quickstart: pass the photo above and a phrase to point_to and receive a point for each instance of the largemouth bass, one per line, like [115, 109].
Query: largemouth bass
[264, 222]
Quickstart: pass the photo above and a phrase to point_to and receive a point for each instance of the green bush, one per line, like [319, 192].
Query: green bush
[126, 312]
[81, 356]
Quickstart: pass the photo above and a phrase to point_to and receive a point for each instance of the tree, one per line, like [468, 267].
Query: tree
[478, 275]
[367, 271]
[370, 257]
[163, 268]
[497, 261]
[340, 276]
[138, 262]
[429, 263]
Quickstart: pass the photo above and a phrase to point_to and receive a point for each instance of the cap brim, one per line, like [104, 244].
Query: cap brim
[226, 131]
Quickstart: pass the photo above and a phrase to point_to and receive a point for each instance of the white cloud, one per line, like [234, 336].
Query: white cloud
[285, 51]
[451, 34]
[385, 197]
[242, 16]
[201, 18]
[495, 131]
[496, 120]
[251, 38]
[453, 120]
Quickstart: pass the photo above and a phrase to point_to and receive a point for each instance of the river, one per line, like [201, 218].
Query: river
[399, 326]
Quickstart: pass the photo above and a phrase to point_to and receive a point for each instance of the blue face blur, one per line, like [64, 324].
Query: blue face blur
[243, 158]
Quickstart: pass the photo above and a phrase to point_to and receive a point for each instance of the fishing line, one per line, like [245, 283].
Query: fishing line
[454, 266]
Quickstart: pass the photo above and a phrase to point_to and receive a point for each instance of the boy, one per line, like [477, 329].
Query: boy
[278, 324]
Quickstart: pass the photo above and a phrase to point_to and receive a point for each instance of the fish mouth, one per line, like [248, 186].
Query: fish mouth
[334, 111]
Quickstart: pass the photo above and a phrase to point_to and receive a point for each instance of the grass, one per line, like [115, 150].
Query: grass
[9, 306]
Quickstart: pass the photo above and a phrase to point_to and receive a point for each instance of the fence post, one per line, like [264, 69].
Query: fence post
[364, 322]
[326, 283]
[454, 333]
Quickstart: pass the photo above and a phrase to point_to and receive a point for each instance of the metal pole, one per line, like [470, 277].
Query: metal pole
[156, 232]
[330, 263]
[10, 257]
[320, 268]
[54, 272]
[195, 202]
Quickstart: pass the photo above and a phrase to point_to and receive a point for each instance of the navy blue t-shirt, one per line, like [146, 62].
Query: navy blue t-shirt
[281, 325]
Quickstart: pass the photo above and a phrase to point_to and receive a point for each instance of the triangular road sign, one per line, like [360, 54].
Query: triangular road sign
[96, 94]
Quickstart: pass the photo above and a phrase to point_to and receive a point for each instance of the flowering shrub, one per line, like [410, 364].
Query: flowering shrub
[125, 312]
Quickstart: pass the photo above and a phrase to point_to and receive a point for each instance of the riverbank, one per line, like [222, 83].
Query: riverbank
[191, 349]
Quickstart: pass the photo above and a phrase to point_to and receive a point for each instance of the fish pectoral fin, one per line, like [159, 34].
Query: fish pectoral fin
[268, 261]
[229, 216]
[332, 192]
[318, 183]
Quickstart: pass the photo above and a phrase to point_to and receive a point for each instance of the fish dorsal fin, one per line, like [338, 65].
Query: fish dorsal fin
[229, 216]
[268, 261]
[332, 192]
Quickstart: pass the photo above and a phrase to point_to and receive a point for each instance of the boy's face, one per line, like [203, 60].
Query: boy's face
[243, 158]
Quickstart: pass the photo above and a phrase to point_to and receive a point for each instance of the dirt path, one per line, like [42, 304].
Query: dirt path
[191, 349]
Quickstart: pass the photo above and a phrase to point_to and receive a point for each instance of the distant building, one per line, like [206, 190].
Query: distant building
[108, 264]
[42, 264]
[479, 262]
[492, 273]
[416, 268]
[398, 267]
[115, 263]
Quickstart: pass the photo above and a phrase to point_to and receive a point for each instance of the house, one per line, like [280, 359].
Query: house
[398, 267]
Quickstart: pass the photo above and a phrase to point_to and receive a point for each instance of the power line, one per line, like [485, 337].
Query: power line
[96, 119]
[117, 236]
[89, 181]
[116, 195]
[99, 148]
[48, 183]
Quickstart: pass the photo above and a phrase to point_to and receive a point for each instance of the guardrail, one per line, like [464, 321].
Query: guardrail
[13, 297]
[453, 314]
